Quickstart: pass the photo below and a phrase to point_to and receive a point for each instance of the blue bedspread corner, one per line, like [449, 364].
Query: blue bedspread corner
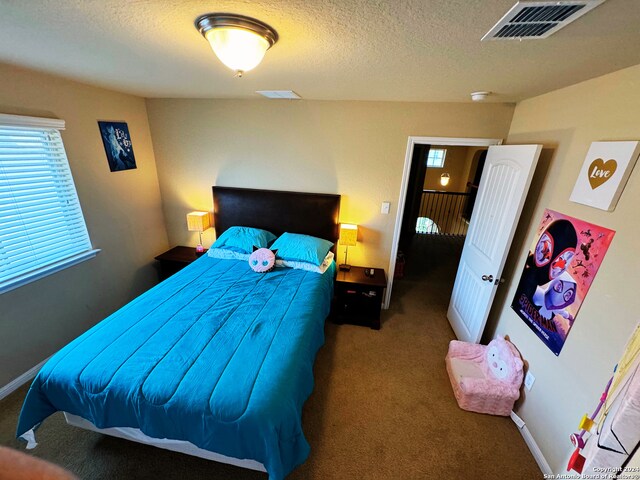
[35, 410]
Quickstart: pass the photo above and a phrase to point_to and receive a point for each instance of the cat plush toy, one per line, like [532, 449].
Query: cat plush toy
[262, 260]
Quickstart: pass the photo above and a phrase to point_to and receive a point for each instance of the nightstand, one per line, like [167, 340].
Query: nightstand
[358, 297]
[176, 259]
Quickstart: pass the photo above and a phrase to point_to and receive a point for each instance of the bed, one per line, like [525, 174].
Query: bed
[217, 360]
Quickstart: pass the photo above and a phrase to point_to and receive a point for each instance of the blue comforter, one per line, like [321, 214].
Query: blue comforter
[217, 355]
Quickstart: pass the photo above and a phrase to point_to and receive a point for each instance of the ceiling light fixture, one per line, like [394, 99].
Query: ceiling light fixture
[239, 42]
[444, 179]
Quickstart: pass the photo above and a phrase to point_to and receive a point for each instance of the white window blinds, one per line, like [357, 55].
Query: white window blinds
[41, 225]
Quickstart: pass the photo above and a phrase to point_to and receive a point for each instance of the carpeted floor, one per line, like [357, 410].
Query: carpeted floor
[382, 407]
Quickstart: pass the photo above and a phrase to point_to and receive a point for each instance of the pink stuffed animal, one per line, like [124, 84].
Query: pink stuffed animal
[504, 362]
[485, 379]
[262, 260]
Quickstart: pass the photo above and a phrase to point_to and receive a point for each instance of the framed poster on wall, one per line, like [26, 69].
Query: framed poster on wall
[117, 145]
[604, 174]
[560, 267]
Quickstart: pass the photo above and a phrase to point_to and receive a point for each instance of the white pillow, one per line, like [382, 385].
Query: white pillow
[226, 254]
[310, 267]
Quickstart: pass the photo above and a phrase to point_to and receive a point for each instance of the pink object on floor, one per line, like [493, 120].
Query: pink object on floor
[485, 379]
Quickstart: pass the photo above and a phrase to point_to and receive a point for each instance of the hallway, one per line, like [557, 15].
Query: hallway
[431, 265]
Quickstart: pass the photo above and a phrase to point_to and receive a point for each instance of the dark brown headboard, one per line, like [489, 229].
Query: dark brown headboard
[277, 211]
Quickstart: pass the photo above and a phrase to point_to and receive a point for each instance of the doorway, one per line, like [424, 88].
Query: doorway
[441, 192]
[433, 221]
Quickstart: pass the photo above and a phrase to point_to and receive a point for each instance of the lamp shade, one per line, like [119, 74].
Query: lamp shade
[444, 179]
[198, 221]
[348, 234]
[240, 50]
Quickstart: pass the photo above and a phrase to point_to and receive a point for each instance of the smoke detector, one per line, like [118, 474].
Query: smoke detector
[479, 96]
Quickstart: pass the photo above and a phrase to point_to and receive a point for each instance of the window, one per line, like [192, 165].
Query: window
[42, 229]
[435, 159]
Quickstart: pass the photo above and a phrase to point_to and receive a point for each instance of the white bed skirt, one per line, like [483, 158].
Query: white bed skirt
[134, 434]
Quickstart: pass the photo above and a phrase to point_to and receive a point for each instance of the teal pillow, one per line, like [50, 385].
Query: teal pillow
[301, 248]
[244, 239]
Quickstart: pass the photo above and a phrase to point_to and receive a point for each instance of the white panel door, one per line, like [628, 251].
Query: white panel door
[505, 181]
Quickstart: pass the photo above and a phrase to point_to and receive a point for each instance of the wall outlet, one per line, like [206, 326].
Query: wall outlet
[528, 380]
[385, 208]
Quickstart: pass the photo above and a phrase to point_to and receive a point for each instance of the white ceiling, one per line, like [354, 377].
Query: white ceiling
[407, 50]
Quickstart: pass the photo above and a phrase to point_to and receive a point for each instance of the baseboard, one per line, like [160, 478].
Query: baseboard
[13, 385]
[531, 443]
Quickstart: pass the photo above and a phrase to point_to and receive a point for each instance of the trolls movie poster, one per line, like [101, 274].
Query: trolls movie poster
[559, 270]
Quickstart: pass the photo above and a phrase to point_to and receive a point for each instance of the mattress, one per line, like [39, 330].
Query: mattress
[135, 435]
[217, 355]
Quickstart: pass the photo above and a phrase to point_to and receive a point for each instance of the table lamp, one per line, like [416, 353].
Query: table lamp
[198, 222]
[348, 238]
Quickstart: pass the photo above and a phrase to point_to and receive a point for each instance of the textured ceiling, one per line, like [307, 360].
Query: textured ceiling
[408, 50]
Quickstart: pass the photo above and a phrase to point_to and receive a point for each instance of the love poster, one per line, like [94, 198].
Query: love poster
[604, 174]
[559, 270]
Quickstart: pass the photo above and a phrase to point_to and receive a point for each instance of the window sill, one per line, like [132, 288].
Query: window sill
[46, 271]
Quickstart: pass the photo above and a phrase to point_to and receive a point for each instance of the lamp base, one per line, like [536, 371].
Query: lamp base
[199, 249]
[344, 267]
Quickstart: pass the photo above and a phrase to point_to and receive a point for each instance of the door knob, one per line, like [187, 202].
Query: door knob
[487, 278]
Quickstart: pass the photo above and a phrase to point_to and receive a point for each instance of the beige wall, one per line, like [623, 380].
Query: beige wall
[456, 164]
[122, 211]
[566, 122]
[472, 162]
[356, 149]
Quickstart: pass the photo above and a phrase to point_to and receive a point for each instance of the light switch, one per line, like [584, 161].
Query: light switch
[385, 208]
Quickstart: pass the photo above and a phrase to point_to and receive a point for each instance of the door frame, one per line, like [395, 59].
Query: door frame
[416, 140]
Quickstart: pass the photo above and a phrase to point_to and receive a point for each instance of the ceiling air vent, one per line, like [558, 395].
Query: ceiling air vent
[279, 94]
[533, 20]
